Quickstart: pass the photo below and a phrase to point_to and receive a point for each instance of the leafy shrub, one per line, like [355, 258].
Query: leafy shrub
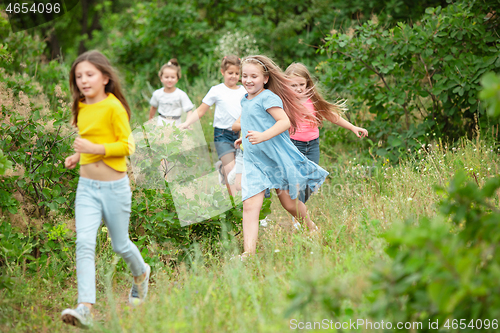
[491, 93]
[417, 80]
[441, 271]
[36, 140]
[5, 164]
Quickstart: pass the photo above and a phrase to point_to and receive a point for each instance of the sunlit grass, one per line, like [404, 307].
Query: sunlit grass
[293, 274]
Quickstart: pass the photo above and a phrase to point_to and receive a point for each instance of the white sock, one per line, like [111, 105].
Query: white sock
[231, 177]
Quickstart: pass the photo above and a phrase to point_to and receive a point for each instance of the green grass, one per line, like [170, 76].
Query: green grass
[292, 276]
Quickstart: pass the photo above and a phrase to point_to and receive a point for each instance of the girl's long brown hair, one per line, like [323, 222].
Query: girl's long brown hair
[324, 109]
[279, 84]
[100, 61]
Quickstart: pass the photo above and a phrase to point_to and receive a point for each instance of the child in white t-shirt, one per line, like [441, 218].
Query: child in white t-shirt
[169, 102]
[227, 99]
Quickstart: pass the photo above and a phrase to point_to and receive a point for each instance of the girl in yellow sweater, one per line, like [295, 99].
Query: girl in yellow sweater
[102, 116]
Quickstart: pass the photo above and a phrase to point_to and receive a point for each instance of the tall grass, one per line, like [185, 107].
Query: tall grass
[293, 275]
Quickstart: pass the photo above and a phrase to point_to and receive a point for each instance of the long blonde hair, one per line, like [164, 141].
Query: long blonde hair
[100, 61]
[280, 84]
[324, 109]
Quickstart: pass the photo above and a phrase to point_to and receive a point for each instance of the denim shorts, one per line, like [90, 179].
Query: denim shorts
[310, 149]
[224, 141]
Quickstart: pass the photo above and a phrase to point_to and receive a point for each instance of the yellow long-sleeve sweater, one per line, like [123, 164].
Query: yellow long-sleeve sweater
[106, 123]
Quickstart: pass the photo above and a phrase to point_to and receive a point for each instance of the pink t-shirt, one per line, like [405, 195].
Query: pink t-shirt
[306, 130]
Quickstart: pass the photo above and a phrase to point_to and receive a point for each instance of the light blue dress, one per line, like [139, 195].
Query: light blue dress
[275, 163]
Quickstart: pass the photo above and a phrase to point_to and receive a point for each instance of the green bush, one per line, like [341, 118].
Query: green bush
[445, 272]
[419, 81]
[491, 93]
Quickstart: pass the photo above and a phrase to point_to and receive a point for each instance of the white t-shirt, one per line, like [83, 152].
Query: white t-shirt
[171, 104]
[227, 104]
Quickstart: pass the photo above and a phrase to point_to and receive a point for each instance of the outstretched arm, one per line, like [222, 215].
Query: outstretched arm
[355, 129]
[194, 116]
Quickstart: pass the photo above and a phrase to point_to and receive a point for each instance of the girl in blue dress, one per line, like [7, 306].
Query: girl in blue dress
[270, 110]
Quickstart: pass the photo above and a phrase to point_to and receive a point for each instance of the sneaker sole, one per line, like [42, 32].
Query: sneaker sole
[72, 320]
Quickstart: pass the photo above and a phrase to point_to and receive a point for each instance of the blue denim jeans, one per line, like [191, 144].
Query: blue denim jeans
[96, 201]
[224, 141]
[310, 149]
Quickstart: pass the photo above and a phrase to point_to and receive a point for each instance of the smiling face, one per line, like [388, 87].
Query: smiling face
[253, 79]
[231, 76]
[169, 79]
[91, 82]
[299, 85]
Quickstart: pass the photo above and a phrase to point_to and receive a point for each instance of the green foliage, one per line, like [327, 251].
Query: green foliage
[491, 93]
[153, 34]
[414, 78]
[5, 164]
[37, 146]
[441, 272]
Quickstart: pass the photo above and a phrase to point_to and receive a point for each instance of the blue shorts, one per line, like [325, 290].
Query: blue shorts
[310, 149]
[224, 141]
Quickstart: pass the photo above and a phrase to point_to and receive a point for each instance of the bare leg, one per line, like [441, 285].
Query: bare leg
[140, 278]
[251, 211]
[89, 305]
[228, 165]
[237, 182]
[296, 208]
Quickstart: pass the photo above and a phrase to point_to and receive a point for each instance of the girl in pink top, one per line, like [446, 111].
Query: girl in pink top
[306, 137]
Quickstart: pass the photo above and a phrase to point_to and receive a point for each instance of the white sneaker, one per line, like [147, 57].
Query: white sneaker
[218, 167]
[79, 317]
[138, 292]
[296, 225]
[263, 222]
[231, 177]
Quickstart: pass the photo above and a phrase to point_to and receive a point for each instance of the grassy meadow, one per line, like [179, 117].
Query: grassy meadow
[295, 277]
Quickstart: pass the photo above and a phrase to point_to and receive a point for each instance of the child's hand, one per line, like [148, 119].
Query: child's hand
[183, 126]
[358, 130]
[84, 146]
[71, 161]
[255, 137]
[237, 143]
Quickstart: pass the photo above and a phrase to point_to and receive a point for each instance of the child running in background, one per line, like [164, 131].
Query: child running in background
[169, 102]
[306, 137]
[269, 110]
[227, 99]
[102, 115]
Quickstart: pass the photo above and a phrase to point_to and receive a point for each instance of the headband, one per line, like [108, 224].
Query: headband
[260, 62]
